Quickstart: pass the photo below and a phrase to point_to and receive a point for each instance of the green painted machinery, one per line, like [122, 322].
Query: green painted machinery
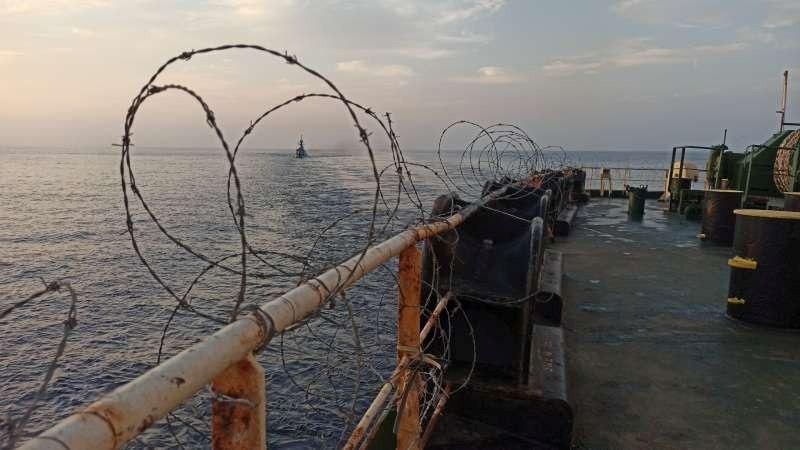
[762, 171]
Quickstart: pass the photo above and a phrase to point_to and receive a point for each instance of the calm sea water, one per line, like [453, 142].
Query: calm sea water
[61, 217]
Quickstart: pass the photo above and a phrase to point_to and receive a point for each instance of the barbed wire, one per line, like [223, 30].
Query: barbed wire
[336, 358]
[12, 429]
[379, 224]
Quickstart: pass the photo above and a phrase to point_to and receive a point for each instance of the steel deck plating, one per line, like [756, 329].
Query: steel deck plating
[653, 360]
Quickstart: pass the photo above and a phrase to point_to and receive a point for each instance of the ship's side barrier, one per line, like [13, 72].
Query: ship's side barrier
[765, 270]
[564, 220]
[548, 373]
[489, 263]
[555, 186]
[718, 219]
[509, 343]
[548, 303]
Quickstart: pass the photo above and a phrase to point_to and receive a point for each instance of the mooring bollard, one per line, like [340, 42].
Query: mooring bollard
[239, 407]
[718, 220]
[408, 346]
[765, 271]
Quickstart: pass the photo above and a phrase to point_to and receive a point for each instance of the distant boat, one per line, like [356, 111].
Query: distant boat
[301, 151]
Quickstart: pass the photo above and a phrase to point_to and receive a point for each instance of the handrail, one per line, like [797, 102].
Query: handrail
[658, 169]
[625, 168]
[130, 409]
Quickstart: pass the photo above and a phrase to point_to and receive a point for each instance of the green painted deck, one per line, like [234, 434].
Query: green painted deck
[653, 360]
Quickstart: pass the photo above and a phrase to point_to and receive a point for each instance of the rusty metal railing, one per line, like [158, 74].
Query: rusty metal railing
[615, 178]
[225, 360]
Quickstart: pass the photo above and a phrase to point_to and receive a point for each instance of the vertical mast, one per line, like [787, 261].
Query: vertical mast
[782, 111]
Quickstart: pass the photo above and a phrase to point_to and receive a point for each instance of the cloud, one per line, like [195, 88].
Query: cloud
[624, 6]
[657, 55]
[678, 13]
[42, 7]
[469, 10]
[403, 8]
[561, 68]
[231, 13]
[782, 14]
[83, 32]
[426, 53]
[634, 53]
[254, 8]
[442, 12]
[363, 68]
[464, 38]
[781, 22]
[7, 55]
[761, 23]
[750, 34]
[492, 75]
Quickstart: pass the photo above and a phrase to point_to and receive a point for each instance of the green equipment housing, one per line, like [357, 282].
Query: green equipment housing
[762, 172]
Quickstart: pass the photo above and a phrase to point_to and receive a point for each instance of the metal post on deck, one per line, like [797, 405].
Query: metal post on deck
[668, 190]
[680, 176]
[239, 407]
[747, 182]
[408, 346]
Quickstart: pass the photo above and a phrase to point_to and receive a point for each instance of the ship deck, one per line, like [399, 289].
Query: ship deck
[653, 361]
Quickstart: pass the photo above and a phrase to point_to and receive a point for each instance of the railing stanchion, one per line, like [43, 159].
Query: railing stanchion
[408, 346]
[239, 407]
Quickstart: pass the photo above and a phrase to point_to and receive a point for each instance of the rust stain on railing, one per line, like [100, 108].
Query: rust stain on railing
[239, 407]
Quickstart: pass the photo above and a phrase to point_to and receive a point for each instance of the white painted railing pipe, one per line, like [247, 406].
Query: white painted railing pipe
[130, 409]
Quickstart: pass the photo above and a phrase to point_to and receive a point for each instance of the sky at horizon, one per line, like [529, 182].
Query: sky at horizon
[618, 74]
